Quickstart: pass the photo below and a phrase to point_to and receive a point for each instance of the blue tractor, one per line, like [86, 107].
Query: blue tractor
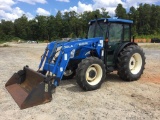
[108, 47]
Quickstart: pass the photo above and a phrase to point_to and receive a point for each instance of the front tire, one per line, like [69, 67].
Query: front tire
[131, 62]
[90, 73]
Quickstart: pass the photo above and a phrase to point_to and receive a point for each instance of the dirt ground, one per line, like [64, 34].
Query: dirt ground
[115, 100]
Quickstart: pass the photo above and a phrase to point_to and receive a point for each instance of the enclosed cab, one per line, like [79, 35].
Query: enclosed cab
[117, 35]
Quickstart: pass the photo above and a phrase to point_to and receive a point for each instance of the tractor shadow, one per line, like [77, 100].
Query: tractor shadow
[113, 77]
[71, 85]
[74, 87]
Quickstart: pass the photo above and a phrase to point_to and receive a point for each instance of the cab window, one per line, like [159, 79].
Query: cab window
[115, 32]
[126, 32]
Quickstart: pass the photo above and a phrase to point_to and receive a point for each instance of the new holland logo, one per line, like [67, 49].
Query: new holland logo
[68, 46]
[84, 43]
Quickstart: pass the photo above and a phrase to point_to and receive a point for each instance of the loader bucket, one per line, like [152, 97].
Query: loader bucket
[28, 88]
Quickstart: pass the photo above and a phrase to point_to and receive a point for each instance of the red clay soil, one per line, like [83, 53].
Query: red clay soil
[151, 72]
[148, 77]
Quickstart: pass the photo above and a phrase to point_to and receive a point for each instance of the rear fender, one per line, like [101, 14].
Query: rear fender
[122, 46]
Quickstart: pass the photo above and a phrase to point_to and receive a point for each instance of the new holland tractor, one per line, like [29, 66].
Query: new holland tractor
[108, 47]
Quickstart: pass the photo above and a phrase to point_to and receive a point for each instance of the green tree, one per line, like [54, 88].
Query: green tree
[105, 14]
[143, 24]
[42, 32]
[20, 26]
[2, 34]
[58, 26]
[155, 19]
[121, 12]
[66, 24]
[133, 15]
[51, 27]
[7, 30]
[146, 20]
[33, 30]
[74, 23]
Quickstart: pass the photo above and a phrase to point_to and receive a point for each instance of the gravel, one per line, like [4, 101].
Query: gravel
[115, 99]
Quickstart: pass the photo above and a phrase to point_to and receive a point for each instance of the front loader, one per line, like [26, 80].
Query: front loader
[107, 48]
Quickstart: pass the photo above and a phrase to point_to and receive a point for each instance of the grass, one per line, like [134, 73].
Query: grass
[1, 42]
[148, 36]
[151, 45]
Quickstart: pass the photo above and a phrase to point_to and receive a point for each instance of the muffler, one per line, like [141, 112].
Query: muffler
[29, 88]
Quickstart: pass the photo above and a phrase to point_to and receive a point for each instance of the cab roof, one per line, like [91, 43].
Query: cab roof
[114, 20]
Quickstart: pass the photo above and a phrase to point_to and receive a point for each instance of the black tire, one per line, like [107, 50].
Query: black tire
[90, 73]
[131, 63]
[68, 76]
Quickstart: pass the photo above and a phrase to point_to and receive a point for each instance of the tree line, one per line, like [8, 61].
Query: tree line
[71, 24]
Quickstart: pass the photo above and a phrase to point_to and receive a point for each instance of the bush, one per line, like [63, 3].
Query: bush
[46, 41]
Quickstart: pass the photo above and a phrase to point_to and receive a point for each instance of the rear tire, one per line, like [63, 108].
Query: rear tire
[90, 73]
[131, 62]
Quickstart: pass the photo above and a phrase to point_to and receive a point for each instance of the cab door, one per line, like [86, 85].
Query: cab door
[115, 36]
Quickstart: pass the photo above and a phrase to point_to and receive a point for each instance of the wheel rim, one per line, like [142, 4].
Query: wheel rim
[135, 63]
[94, 74]
[68, 73]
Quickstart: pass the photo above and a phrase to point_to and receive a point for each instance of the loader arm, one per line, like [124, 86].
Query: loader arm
[57, 55]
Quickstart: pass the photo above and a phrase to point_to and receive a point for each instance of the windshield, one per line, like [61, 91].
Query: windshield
[100, 29]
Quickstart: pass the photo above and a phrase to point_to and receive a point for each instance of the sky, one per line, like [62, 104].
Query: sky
[13, 9]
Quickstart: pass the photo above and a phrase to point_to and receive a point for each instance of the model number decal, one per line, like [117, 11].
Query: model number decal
[101, 42]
